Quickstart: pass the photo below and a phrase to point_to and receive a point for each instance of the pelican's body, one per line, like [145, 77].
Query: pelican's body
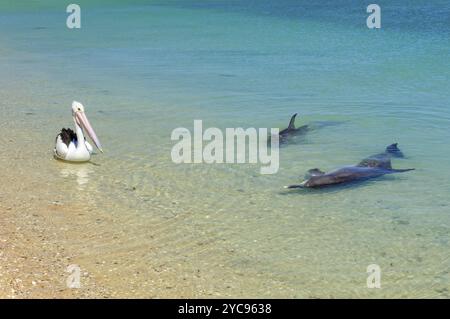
[72, 146]
[69, 149]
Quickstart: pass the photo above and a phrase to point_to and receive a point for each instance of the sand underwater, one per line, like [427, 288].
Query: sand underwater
[139, 225]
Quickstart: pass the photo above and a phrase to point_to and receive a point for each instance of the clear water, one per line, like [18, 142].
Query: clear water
[143, 68]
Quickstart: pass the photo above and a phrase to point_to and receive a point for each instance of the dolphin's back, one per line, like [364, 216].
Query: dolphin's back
[345, 175]
[382, 160]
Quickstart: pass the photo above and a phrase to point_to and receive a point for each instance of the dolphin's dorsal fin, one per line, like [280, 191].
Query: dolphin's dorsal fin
[292, 122]
[313, 172]
[393, 150]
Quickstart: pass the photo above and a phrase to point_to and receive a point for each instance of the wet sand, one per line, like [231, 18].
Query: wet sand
[41, 236]
[33, 257]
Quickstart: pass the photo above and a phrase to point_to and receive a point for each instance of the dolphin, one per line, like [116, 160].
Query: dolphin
[371, 167]
[291, 130]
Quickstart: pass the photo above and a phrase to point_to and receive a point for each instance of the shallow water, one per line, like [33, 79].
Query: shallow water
[145, 68]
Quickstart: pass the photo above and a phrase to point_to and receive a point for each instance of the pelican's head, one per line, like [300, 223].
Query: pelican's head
[82, 121]
[77, 107]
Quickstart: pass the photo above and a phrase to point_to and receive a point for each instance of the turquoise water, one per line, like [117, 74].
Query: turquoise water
[144, 68]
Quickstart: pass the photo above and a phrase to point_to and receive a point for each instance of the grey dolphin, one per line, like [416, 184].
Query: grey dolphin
[291, 130]
[371, 167]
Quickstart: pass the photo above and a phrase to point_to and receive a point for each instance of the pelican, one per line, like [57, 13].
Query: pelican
[72, 146]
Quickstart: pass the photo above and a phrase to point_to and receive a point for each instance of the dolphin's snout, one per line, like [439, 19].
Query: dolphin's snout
[301, 185]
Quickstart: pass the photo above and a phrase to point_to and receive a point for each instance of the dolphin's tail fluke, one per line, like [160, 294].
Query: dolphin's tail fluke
[292, 122]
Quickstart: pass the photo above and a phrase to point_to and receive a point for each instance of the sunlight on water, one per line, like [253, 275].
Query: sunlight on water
[232, 65]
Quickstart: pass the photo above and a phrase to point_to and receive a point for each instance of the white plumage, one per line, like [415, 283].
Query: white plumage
[68, 147]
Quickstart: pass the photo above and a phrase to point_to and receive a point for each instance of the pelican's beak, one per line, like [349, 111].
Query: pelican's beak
[84, 122]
